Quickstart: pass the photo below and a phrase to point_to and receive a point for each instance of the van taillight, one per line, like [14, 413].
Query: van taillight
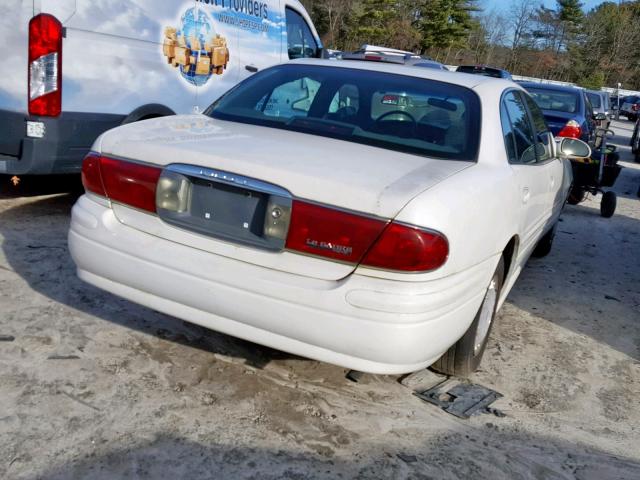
[45, 66]
[359, 239]
[132, 184]
[571, 129]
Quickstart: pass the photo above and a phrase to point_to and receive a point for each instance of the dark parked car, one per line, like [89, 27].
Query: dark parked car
[566, 109]
[484, 70]
[635, 141]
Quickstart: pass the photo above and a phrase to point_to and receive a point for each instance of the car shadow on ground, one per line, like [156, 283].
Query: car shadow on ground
[487, 454]
[32, 186]
[35, 247]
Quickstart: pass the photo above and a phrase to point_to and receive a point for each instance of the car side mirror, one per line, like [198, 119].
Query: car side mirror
[600, 117]
[573, 149]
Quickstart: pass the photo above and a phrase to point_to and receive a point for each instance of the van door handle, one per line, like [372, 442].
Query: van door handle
[251, 68]
[553, 182]
[526, 195]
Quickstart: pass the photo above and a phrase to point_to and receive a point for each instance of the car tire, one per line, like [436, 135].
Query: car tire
[608, 204]
[576, 195]
[543, 248]
[463, 358]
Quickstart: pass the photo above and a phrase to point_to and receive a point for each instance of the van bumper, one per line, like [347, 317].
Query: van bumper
[67, 139]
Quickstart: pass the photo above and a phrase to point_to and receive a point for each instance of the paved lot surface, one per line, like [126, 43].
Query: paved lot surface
[95, 387]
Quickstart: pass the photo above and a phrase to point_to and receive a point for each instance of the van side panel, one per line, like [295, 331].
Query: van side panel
[14, 34]
[261, 38]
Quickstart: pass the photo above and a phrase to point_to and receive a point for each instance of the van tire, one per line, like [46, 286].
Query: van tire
[464, 358]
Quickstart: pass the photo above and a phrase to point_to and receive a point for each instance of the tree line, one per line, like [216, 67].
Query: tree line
[595, 48]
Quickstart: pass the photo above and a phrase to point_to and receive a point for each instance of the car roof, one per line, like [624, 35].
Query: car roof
[445, 76]
[550, 86]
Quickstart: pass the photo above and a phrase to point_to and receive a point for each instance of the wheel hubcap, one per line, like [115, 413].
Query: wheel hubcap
[486, 317]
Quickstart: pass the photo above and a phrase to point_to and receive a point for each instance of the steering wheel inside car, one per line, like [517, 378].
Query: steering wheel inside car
[381, 118]
[397, 112]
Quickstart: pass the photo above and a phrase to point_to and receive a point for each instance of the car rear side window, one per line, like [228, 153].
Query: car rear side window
[519, 129]
[396, 112]
[543, 140]
[300, 41]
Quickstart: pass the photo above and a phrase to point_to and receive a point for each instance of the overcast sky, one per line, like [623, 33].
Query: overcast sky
[504, 4]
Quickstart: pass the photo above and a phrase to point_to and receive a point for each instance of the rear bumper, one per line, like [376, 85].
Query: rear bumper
[362, 323]
[66, 141]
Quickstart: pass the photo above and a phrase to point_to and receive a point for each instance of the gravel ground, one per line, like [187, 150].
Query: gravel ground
[94, 387]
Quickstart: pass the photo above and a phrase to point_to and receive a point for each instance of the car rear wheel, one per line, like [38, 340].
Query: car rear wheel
[463, 358]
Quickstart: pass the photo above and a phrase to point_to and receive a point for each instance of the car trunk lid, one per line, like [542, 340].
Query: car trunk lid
[260, 164]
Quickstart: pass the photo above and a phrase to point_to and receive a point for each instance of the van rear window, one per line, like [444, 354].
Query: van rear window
[391, 111]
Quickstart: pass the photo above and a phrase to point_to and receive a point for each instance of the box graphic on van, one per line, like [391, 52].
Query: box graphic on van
[195, 48]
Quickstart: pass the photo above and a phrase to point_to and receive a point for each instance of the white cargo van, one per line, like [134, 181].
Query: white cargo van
[72, 69]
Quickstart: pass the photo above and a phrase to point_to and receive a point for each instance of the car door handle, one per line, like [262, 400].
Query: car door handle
[526, 195]
[251, 68]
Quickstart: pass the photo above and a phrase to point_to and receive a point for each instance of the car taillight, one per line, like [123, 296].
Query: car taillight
[124, 182]
[45, 66]
[91, 176]
[359, 239]
[571, 129]
[408, 248]
[331, 233]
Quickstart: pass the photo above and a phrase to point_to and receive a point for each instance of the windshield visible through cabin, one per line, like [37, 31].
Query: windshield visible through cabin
[391, 111]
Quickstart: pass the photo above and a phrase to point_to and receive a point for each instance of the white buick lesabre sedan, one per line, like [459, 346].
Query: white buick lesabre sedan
[373, 216]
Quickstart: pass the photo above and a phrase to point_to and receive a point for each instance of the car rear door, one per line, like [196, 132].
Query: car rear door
[532, 170]
[553, 167]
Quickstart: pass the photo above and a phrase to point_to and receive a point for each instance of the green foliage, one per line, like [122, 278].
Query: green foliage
[443, 23]
[594, 81]
[564, 42]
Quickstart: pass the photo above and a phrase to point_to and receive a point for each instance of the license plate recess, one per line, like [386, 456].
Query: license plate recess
[230, 207]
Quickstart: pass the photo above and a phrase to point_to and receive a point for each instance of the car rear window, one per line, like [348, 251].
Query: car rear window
[554, 99]
[395, 112]
[487, 72]
[595, 99]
